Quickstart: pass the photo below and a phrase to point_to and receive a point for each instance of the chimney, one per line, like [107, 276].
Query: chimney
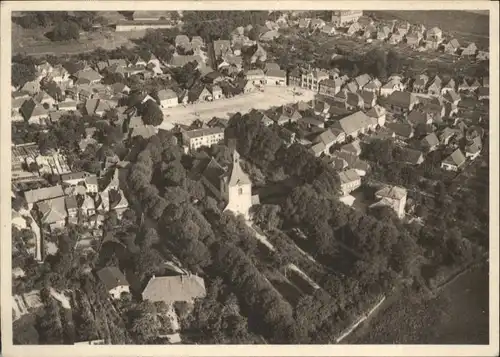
[153, 277]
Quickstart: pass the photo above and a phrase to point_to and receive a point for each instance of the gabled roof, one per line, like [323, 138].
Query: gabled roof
[376, 111]
[348, 176]
[431, 140]
[88, 74]
[45, 193]
[52, 210]
[362, 80]
[276, 73]
[166, 94]
[454, 43]
[112, 277]
[327, 137]
[172, 289]
[404, 99]
[32, 109]
[451, 96]
[412, 156]
[354, 122]
[417, 117]
[401, 129]
[392, 192]
[434, 31]
[456, 158]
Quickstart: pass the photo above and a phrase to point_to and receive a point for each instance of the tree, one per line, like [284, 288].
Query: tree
[145, 324]
[267, 216]
[393, 62]
[175, 173]
[152, 114]
[66, 30]
[22, 73]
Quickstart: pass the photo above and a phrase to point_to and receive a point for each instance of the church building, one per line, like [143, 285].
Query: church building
[231, 184]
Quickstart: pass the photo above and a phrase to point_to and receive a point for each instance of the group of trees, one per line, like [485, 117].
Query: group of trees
[213, 25]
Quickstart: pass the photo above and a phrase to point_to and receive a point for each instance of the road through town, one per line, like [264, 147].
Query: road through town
[271, 96]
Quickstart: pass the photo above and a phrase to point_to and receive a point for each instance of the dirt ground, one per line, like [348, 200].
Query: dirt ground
[272, 96]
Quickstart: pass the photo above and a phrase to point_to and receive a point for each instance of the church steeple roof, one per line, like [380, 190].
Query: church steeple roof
[237, 175]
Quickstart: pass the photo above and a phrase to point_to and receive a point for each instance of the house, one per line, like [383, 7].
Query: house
[470, 50]
[452, 97]
[256, 76]
[67, 105]
[222, 48]
[354, 101]
[328, 29]
[88, 75]
[393, 197]
[430, 142]
[114, 281]
[316, 24]
[199, 94]
[383, 33]
[391, 86]
[44, 99]
[138, 62]
[434, 35]
[362, 80]
[413, 39]
[74, 178]
[172, 289]
[446, 135]
[420, 83]
[483, 56]
[71, 207]
[354, 29]
[473, 149]
[33, 112]
[312, 122]
[453, 162]
[91, 184]
[195, 139]
[285, 114]
[324, 141]
[312, 79]
[321, 108]
[370, 32]
[417, 117]
[343, 17]
[402, 131]
[349, 181]
[378, 113]
[287, 136]
[52, 212]
[369, 99]
[304, 23]
[275, 77]
[216, 92]
[410, 156]
[401, 102]
[42, 194]
[330, 87]
[31, 87]
[269, 36]
[465, 86]
[373, 86]
[352, 148]
[168, 98]
[355, 124]
[483, 93]
[295, 78]
[449, 86]
[434, 86]
[396, 38]
[452, 47]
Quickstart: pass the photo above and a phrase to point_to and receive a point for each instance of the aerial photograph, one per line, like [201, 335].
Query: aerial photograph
[250, 177]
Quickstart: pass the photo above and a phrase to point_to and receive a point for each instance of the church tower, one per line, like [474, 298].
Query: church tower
[236, 188]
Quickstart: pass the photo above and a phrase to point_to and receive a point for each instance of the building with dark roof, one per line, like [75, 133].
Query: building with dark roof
[114, 281]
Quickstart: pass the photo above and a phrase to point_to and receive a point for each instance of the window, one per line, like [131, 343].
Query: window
[240, 191]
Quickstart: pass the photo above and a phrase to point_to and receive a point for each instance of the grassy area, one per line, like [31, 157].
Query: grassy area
[466, 26]
[35, 43]
[459, 315]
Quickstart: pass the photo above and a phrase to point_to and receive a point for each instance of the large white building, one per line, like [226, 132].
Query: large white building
[194, 139]
[343, 17]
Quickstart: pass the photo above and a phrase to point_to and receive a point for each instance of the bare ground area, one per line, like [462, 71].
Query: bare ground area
[272, 96]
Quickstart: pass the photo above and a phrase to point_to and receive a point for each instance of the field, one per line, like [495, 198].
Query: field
[466, 26]
[35, 43]
[272, 96]
[459, 315]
